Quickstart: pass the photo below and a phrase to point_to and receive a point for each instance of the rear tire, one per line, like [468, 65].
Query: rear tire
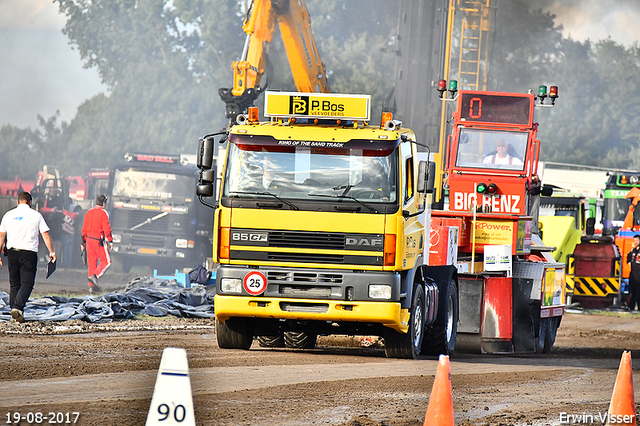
[547, 334]
[440, 339]
[276, 341]
[407, 345]
[300, 340]
[234, 333]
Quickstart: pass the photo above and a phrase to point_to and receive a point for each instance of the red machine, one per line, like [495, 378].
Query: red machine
[511, 289]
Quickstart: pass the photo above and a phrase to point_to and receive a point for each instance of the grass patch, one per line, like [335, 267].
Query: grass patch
[618, 314]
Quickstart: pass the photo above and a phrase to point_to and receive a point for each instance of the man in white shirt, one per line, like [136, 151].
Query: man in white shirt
[21, 227]
[502, 156]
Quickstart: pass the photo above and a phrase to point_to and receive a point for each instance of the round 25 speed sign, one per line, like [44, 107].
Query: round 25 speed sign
[255, 283]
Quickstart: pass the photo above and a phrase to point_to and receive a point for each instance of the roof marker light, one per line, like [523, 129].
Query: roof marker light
[253, 116]
[453, 86]
[542, 93]
[553, 94]
[386, 117]
[442, 87]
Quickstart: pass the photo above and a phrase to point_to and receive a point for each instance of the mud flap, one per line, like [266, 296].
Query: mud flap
[526, 318]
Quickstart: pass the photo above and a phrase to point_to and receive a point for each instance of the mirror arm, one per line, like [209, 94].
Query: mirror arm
[212, 206]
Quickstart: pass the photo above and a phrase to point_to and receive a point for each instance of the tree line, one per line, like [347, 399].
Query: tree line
[163, 62]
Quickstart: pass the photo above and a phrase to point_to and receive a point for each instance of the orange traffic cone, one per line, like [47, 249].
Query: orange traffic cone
[440, 409]
[622, 408]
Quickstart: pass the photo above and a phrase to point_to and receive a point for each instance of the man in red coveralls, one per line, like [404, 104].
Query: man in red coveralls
[97, 240]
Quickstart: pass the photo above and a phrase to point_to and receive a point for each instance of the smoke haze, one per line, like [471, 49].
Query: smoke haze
[40, 73]
[597, 20]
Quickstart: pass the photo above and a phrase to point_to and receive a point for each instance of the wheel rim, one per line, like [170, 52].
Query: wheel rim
[450, 315]
[417, 326]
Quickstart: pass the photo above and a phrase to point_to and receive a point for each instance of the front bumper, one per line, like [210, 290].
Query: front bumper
[389, 314]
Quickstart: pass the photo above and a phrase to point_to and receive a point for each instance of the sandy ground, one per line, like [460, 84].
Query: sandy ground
[107, 372]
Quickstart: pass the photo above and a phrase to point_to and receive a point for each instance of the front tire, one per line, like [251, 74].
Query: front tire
[407, 345]
[440, 339]
[234, 333]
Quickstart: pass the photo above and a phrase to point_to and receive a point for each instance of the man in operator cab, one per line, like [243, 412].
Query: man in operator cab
[274, 175]
[502, 155]
[375, 179]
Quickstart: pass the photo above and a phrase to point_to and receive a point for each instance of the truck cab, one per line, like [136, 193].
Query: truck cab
[155, 217]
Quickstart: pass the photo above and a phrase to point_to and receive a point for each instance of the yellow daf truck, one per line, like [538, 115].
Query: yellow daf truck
[320, 228]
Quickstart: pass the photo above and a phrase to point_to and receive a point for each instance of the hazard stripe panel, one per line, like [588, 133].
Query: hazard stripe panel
[595, 286]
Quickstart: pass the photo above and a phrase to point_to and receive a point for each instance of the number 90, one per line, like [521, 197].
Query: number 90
[179, 413]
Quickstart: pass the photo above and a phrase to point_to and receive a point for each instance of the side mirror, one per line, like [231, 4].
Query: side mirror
[205, 153]
[208, 176]
[591, 226]
[204, 190]
[426, 176]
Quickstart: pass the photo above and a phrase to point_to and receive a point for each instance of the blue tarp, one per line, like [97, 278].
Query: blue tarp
[150, 296]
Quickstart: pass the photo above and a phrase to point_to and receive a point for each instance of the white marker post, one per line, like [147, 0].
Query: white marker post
[172, 401]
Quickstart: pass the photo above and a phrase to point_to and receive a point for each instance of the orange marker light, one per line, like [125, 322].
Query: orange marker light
[253, 115]
[223, 244]
[386, 116]
[389, 249]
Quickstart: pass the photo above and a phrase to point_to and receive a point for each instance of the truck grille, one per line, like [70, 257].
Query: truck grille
[313, 240]
[305, 257]
[305, 292]
[289, 246]
[304, 307]
[138, 217]
[147, 241]
[304, 277]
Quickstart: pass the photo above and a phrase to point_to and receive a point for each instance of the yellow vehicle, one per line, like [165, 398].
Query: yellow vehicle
[320, 229]
[307, 69]
[563, 217]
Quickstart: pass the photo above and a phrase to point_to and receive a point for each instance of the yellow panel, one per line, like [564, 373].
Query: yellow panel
[492, 232]
[317, 105]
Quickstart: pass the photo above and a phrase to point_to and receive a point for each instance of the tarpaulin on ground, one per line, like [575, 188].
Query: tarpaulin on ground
[150, 296]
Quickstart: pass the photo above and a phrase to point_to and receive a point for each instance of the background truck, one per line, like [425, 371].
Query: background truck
[616, 203]
[597, 270]
[155, 217]
[511, 289]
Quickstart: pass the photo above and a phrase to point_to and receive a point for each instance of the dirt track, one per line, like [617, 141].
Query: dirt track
[108, 376]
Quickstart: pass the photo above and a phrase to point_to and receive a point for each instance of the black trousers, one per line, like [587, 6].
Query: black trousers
[634, 289]
[22, 276]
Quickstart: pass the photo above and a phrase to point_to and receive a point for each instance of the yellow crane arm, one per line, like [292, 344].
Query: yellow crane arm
[307, 68]
[294, 22]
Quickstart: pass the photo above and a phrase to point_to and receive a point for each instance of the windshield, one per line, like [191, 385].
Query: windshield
[152, 185]
[311, 173]
[615, 210]
[491, 149]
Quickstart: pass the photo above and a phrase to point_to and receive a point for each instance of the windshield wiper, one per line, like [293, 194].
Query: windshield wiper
[149, 220]
[344, 196]
[345, 187]
[290, 204]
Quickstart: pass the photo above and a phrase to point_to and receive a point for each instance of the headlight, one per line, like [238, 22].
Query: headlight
[117, 238]
[231, 285]
[379, 291]
[182, 243]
